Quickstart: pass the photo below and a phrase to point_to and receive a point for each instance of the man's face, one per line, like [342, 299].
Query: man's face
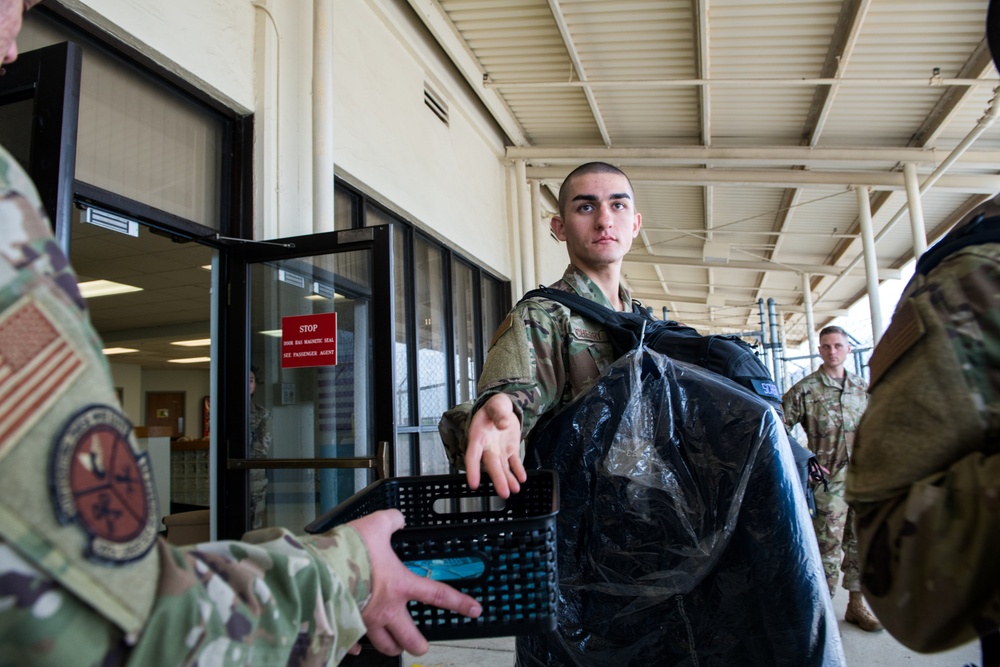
[600, 220]
[11, 12]
[834, 348]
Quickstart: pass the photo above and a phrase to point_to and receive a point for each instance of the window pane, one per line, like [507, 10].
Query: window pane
[317, 410]
[492, 299]
[401, 277]
[297, 497]
[432, 363]
[433, 460]
[404, 325]
[404, 454]
[343, 209]
[139, 139]
[464, 331]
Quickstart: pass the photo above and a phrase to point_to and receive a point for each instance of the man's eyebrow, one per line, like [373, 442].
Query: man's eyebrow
[616, 195]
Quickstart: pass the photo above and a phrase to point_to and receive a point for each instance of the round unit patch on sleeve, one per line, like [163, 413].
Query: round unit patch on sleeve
[103, 484]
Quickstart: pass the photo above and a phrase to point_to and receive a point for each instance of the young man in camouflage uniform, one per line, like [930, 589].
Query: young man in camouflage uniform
[828, 404]
[543, 355]
[84, 578]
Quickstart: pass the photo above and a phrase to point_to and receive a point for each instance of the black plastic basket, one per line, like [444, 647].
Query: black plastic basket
[507, 548]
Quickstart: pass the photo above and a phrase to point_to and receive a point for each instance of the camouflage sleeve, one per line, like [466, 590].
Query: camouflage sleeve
[274, 598]
[925, 475]
[527, 362]
[929, 557]
[792, 407]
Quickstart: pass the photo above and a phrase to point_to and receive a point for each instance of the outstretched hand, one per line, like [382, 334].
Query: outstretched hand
[390, 628]
[495, 444]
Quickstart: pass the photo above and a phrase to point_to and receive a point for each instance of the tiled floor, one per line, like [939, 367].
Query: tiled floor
[862, 649]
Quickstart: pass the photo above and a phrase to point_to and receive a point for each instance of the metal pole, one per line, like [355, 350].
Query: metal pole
[784, 365]
[666, 311]
[763, 334]
[916, 210]
[807, 303]
[526, 237]
[772, 316]
[871, 261]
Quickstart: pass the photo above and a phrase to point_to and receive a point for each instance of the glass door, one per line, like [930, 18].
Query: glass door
[307, 368]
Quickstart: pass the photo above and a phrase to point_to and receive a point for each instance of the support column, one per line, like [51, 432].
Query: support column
[916, 207]
[513, 210]
[764, 346]
[537, 230]
[322, 99]
[871, 261]
[807, 303]
[524, 224]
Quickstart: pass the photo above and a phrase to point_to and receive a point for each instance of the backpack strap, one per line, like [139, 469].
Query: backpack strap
[980, 230]
[624, 329]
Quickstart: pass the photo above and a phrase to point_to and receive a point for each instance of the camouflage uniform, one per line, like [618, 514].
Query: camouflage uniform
[260, 448]
[925, 477]
[543, 355]
[84, 577]
[830, 414]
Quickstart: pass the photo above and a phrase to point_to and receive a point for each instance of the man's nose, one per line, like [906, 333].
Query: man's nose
[605, 217]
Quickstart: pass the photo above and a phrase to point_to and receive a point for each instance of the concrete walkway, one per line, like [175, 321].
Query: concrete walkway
[863, 649]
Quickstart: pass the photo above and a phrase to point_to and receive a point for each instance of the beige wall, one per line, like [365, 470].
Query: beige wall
[136, 381]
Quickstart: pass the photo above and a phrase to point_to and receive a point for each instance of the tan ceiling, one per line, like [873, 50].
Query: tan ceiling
[745, 123]
[174, 304]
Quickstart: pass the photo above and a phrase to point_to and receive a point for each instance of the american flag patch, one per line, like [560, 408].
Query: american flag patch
[37, 364]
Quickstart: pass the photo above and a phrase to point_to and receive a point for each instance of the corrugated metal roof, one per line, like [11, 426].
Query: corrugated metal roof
[633, 80]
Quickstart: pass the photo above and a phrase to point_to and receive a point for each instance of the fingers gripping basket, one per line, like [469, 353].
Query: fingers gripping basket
[501, 552]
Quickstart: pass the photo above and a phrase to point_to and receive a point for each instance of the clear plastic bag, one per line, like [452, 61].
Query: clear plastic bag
[683, 534]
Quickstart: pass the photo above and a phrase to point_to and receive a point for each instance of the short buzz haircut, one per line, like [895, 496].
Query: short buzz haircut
[834, 329]
[583, 170]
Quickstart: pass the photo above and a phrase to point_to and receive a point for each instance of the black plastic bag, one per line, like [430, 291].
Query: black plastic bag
[683, 535]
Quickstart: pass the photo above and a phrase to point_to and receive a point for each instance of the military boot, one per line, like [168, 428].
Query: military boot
[858, 614]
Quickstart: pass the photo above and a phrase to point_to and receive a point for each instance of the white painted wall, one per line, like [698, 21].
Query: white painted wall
[213, 41]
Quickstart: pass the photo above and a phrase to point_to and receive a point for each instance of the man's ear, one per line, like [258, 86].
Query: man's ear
[558, 229]
[636, 225]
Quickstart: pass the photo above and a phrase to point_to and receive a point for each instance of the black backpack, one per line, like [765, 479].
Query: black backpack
[727, 355]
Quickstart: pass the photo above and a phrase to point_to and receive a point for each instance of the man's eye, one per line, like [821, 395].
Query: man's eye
[586, 208]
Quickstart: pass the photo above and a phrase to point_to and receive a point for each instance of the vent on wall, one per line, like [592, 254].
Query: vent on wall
[435, 103]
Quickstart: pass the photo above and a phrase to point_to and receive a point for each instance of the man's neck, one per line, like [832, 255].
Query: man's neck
[835, 373]
[608, 280]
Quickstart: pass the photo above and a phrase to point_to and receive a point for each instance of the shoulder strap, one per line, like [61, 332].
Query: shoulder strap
[624, 329]
[980, 230]
[574, 302]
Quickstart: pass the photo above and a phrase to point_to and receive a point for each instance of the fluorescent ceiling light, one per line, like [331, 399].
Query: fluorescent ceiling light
[190, 360]
[108, 351]
[199, 342]
[95, 288]
[274, 333]
[207, 267]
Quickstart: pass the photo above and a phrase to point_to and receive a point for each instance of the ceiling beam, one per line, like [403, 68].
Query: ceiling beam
[760, 155]
[785, 178]
[581, 73]
[650, 84]
[978, 66]
[845, 36]
[666, 260]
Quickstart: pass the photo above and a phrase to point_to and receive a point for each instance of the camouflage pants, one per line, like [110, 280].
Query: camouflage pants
[838, 542]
